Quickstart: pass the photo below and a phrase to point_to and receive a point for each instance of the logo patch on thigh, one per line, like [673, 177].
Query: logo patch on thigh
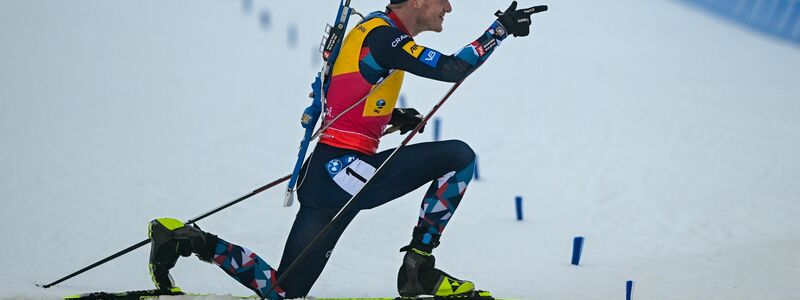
[349, 172]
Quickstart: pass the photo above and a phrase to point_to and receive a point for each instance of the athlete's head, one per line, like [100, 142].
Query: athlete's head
[421, 15]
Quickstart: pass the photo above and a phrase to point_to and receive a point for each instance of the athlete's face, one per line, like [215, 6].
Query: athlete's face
[431, 14]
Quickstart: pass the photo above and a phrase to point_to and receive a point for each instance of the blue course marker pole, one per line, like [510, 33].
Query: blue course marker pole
[315, 54]
[265, 19]
[247, 6]
[518, 201]
[477, 175]
[291, 35]
[577, 249]
[628, 289]
[437, 126]
[402, 101]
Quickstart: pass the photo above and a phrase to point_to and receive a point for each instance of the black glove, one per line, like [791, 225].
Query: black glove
[518, 22]
[405, 120]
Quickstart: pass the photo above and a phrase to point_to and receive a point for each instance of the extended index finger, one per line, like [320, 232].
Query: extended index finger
[535, 9]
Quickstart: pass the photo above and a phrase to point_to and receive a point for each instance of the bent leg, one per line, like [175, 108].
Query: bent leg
[308, 223]
[412, 167]
[255, 273]
[171, 238]
[449, 167]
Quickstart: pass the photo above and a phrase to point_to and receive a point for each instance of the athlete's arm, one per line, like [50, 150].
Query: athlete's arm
[392, 49]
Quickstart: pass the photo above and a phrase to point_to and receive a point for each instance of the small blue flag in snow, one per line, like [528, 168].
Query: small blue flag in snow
[265, 19]
[291, 34]
[476, 175]
[628, 289]
[577, 249]
[437, 124]
[247, 6]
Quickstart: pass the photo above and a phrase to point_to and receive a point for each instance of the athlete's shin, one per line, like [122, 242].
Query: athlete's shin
[247, 268]
[439, 205]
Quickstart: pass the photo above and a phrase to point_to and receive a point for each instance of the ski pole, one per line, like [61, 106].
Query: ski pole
[350, 202]
[211, 212]
[147, 241]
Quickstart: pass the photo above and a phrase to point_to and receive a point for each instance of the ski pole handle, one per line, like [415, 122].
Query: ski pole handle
[391, 130]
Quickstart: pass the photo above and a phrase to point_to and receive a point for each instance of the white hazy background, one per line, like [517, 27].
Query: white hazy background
[667, 137]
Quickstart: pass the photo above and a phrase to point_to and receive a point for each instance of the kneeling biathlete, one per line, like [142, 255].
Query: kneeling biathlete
[381, 48]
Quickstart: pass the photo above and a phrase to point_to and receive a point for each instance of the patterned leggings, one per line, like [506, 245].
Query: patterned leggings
[327, 181]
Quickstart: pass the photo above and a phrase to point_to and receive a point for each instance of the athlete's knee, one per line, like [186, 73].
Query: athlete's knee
[461, 153]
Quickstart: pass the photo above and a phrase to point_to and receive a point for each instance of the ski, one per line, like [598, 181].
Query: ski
[126, 295]
[155, 294]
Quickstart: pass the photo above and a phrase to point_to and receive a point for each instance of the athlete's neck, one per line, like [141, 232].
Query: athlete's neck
[404, 20]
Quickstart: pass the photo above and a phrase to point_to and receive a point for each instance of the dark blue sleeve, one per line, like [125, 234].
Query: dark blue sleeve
[393, 49]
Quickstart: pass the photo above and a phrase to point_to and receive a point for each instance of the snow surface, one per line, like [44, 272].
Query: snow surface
[668, 138]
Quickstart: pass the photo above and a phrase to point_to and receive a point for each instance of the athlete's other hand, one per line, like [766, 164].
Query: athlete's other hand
[518, 21]
[405, 120]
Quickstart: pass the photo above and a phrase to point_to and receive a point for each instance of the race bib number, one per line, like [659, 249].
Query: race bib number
[350, 173]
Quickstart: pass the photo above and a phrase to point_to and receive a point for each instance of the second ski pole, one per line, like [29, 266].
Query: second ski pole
[147, 241]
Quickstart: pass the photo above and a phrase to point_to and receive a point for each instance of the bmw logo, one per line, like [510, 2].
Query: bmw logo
[334, 166]
[381, 103]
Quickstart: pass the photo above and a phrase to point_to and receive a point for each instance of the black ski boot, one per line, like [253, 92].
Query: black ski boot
[170, 238]
[418, 275]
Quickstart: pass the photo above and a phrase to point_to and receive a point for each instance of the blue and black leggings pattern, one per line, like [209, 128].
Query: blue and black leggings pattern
[247, 268]
[441, 201]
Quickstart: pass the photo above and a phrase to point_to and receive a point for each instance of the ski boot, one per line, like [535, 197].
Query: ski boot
[171, 238]
[419, 277]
